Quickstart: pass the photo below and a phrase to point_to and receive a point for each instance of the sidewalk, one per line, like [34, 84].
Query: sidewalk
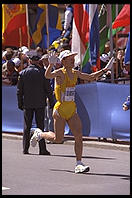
[87, 141]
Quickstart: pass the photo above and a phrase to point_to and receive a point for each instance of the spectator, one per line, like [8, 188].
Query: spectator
[17, 62]
[126, 70]
[48, 120]
[126, 104]
[22, 55]
[32, 90]
[40, 51]
[119, 63]
[104, 59]
[8, 55]
[10, 51]
[67, 21]
[11, 75]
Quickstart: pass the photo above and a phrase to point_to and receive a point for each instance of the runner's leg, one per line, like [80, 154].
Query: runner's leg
[76, 127]
[59, 126]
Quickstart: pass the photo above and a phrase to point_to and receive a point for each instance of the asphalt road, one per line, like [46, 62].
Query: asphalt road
[54, 175]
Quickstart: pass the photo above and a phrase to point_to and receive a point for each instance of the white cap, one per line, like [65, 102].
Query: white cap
[66, 53]
[17, 61]
[22, 48]
[25, 51]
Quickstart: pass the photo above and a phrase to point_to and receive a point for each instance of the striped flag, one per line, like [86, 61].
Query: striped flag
[39, 35]
[79, 41]
[85, 33]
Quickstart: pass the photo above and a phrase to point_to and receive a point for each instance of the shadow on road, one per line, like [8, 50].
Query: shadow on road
[126, 177]
[89, 157]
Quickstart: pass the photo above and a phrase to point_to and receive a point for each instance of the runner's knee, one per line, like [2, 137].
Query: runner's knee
[78, 135]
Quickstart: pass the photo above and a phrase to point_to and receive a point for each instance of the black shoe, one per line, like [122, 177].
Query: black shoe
[44, 153]
[25, 152]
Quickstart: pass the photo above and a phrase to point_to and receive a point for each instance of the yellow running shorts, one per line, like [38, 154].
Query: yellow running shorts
[65, 109]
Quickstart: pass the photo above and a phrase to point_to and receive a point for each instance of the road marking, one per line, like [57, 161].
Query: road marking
[5, 188]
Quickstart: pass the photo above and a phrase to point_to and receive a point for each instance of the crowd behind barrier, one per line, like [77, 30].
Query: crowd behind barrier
[99, 106]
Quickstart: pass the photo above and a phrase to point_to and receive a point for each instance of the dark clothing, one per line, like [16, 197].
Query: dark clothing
[32, 90]
[39, 118]
[13, 77]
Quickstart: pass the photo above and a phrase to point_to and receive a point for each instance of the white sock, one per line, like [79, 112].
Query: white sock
[79, 162]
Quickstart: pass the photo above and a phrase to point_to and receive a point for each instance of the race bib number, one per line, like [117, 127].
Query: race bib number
[69, 94]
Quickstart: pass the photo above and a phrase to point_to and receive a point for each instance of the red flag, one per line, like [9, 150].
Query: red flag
[123, 19]
[13, 18]
[15, 39]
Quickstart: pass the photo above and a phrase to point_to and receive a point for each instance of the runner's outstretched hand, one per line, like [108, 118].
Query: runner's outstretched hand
[52, 57]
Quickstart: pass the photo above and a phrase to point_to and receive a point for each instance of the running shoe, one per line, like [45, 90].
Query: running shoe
[36, 137]
[81, 168]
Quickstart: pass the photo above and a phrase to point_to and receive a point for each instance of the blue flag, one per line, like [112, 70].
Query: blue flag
[127, 54]
[39, 35]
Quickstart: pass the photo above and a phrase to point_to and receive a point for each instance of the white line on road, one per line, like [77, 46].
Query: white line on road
[5, 188]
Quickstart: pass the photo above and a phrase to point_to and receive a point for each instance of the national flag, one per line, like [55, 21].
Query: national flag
[127, 53]
[13, 18]
[85, 33]
[94, 35]
[103, 30]
[79, 37]
[39, 35]
[123, 18]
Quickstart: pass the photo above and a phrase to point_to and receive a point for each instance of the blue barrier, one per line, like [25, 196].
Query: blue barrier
[12, 117]
[100, 110]
[99, 106]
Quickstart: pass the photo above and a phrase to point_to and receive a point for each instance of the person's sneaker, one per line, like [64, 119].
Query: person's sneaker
[36, 137]
[81, 168]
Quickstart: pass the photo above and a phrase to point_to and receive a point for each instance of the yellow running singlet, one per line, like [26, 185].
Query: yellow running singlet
[65, 96]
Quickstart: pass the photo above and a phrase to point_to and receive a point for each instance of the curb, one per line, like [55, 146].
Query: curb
[68, 140]
[104, 145]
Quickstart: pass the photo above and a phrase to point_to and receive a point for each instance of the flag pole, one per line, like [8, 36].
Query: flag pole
[27, 22]
[20, 36]
[47, 25]
[109, 22]
[116, 44]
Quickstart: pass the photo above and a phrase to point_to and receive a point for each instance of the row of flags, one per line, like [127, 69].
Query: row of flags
[15, 25]
[93, 39]
[88, 34]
